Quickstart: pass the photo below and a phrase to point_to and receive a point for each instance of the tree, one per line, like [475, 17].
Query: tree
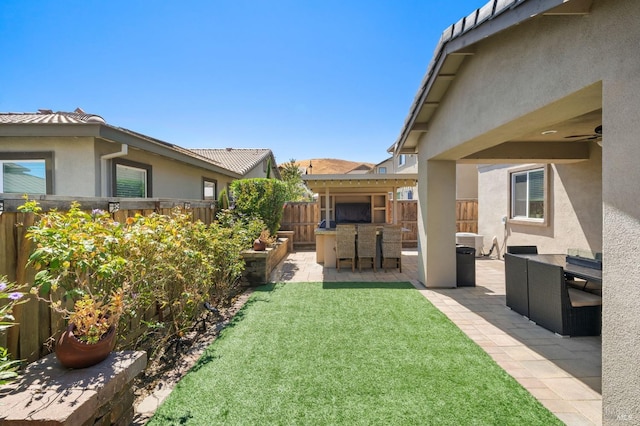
[292, 177]
[260, 197]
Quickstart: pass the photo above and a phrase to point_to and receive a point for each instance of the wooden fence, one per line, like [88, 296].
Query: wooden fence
[303, 218]
[36, 321]
[467, 216]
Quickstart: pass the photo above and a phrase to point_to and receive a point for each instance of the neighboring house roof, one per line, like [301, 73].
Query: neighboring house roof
[362, 168]
[456, 43]
[79, 123]
[388, 162]
[46, 116]
[239, 160]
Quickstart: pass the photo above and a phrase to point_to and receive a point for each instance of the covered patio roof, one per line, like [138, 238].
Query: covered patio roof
[359, 182]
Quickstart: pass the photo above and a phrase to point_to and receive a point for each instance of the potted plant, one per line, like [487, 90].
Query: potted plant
[91, 332]
[79, 267]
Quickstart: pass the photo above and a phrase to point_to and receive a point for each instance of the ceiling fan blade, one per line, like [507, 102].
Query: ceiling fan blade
[578, 136]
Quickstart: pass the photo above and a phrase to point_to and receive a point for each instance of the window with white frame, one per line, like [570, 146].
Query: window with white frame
[382, 170]
[26, 173]
[209, 189]
[528, 195]
[131, 180]
[402, 160]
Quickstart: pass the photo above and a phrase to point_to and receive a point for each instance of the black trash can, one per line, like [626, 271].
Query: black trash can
[465, 266]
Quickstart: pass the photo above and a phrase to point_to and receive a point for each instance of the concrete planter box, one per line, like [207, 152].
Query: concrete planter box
[259, 264]
[287, 235]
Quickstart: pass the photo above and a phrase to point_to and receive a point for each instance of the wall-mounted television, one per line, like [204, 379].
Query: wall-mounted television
[353, 213]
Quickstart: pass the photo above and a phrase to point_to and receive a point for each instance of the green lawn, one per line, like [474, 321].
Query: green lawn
[346, 354]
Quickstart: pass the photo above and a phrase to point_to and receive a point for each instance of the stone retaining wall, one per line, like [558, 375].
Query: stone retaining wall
[259, 264]
[50, 394]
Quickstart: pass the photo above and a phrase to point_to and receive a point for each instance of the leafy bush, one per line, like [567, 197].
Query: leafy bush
[262, 198]
[157, 260]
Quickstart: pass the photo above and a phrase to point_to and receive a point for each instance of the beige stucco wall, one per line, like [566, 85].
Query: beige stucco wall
[466, 181]
[257, 172]
[503, 91]
[77, 167]
[74, 170]
[575, 208]
[174, 179]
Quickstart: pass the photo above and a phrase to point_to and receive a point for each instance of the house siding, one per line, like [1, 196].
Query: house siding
[77, 167]
[74, 168]
[575, 208]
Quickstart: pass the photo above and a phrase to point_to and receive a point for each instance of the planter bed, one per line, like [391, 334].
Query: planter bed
[259, 264]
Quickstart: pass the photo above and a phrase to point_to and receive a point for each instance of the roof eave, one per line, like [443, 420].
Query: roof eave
[459, 38]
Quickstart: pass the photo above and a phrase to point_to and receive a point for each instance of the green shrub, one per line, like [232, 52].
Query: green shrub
[262, 198]
[164, 260]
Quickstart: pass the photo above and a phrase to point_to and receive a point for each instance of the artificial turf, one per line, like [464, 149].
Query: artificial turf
[346, 354]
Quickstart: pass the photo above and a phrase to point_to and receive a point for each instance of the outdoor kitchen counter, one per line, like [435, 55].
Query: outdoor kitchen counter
[325, 246]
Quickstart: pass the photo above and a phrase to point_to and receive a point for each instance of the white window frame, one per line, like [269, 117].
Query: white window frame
[29, 157]
[402, 160]
[525, 220]
[382, 170]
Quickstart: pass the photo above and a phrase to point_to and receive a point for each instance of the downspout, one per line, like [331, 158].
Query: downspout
[124, 150]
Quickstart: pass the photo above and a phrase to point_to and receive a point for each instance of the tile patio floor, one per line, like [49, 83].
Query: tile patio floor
[563, 373]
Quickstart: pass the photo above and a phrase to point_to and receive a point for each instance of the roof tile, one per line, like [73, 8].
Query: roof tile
[239, 160]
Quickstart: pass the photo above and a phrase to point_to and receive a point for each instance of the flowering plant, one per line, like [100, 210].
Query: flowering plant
[9, 297]
[78, 261]
[8, 291]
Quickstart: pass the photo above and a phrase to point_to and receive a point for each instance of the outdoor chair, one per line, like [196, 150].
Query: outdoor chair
[366, 245]
[561, 309]
[392, 246]
[516, 287]
[346, 245]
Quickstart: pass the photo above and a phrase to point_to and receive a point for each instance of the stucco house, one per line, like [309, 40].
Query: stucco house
[466, 183]
[81, 155]
[544, 93]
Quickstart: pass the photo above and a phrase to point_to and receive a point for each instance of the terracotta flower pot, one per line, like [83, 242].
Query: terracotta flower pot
[259, 245]
[74, 353]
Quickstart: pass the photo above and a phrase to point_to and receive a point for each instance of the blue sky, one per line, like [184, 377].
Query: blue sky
[307, 79]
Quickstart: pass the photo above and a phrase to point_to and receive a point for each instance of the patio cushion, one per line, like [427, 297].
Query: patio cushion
[581, 298]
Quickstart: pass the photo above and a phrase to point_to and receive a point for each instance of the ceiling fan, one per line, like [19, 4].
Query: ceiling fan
[595, 136]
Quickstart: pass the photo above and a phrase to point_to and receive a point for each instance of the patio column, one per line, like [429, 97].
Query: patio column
[621, 248]
[395, 205]
[327, 215]
[437, 223]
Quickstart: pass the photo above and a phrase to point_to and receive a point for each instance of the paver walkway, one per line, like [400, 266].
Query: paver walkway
[563, 373]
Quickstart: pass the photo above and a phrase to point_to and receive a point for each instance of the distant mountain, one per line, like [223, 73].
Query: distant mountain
[333, 166]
